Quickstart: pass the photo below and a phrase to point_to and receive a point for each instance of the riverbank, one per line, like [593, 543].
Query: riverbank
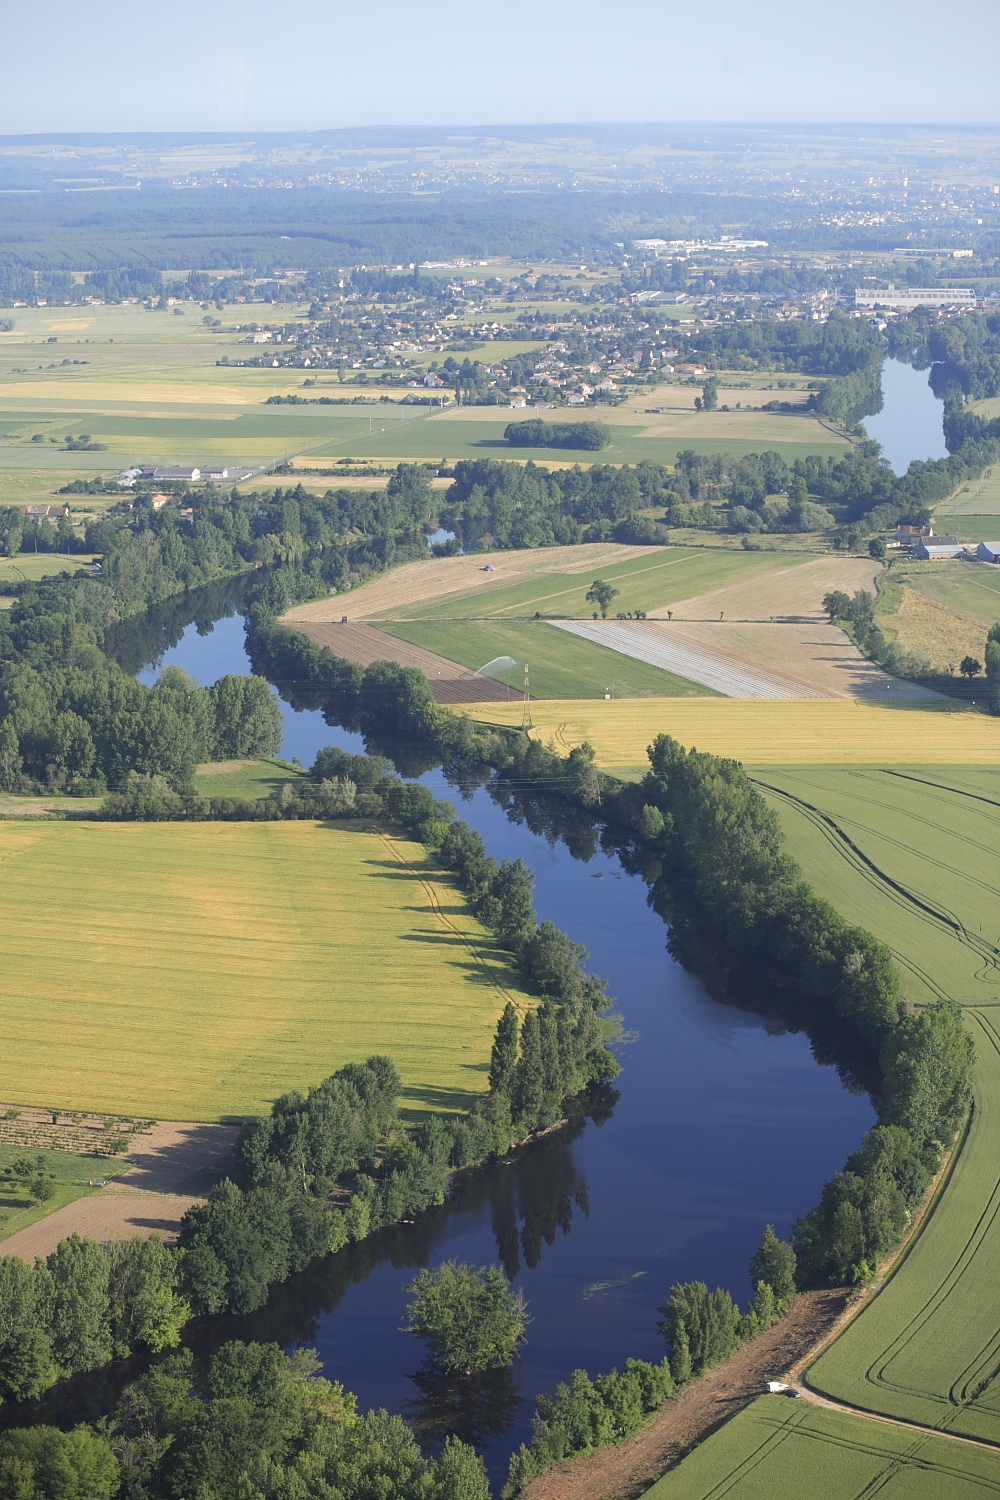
[629, 1468]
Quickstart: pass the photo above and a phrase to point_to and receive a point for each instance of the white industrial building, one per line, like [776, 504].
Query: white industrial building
[907, 298]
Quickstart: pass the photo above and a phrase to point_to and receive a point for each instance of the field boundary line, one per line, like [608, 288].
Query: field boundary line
[873, 1416]
[983, 949]
[435, 905]
[799, 1372]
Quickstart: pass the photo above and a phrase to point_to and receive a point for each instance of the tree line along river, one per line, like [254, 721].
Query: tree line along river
[720, 1122]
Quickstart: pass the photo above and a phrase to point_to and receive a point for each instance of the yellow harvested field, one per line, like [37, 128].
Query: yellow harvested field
[769, 732]
[441, 577]
[933, 630]
[819, 657]
[781, 591]
[198, 971]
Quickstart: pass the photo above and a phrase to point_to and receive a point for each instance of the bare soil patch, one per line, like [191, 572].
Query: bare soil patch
[819, 657]
[628, 1468]
[776, 621]
[174, 1165]
[104, 1215]
[450, 682]
[178, 1156]
[439, 577]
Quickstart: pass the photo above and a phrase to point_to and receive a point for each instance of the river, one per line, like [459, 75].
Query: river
[724, 1122]
[909, 425]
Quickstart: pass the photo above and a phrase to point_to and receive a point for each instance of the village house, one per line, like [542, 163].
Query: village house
[46, 512]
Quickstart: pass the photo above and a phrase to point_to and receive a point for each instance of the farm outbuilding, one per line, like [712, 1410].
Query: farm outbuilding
[938, 547]
[988, 552]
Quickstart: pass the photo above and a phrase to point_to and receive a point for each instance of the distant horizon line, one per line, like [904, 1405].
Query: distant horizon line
[486, 129]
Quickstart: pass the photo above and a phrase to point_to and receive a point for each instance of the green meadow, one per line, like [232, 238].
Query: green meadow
[252, 779]
[451, 439]
[779, 1449]
[968, 588]
[912, 855]
[561, 665]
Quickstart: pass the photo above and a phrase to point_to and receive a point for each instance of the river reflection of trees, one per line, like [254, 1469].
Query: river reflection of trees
[528, 1203]
[476, 1408]
[144, 639]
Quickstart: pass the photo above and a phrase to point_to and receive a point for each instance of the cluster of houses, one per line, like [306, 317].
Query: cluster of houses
[921, 542]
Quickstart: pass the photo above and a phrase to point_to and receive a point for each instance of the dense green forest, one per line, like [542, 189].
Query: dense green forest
[239, 227]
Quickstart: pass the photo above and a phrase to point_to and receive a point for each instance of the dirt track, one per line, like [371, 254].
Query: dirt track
[450, 682]
[628, 1468]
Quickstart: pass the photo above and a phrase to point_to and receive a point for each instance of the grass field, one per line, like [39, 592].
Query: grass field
[973, 513]
[762, 732]
[133, 432]
[198, 971]
[561, 666]
[913, 857]
[244, 778]
[652, 580]
[779, 1449]
[940, 610]
[71, 1173]
[33, 565]
[447, 437]
[971, 589]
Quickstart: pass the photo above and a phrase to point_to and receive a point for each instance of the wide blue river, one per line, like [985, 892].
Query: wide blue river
[724, 1122]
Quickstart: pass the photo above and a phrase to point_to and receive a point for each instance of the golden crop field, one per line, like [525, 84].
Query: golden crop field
[760, 732]
[198, 971]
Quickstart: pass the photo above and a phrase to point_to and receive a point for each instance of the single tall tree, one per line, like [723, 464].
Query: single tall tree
[503, 1059]
[601, 593]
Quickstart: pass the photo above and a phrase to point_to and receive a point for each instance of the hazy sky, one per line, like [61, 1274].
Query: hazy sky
[320, 63]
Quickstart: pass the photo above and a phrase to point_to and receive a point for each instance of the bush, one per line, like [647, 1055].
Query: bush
[470, 1317]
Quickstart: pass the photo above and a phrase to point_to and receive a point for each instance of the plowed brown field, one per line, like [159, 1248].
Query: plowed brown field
[450, 682]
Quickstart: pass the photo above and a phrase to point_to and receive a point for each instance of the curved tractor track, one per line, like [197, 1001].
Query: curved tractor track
[934, 1326]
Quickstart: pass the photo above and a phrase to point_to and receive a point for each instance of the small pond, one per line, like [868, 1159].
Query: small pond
[909, 425]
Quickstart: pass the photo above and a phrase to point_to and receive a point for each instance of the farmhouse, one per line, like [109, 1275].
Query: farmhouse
[931, 547]
[908, 536]
[988, 552]
[215, 472]
[160, 473]
[46, 512]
